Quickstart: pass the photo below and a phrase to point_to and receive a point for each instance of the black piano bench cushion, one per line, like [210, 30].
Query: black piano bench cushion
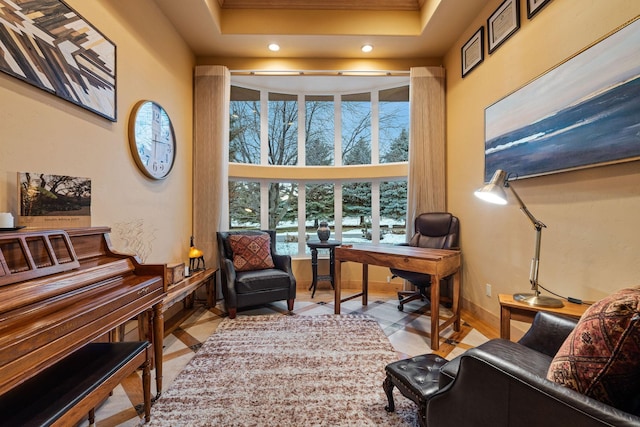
[251, 251]
[416, 378]
[43, 399]
[601, 356]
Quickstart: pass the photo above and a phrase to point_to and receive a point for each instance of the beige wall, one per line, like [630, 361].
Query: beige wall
[590, 247]
[42, 133]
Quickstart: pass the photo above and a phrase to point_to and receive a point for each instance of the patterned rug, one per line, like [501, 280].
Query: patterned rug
[280, 370]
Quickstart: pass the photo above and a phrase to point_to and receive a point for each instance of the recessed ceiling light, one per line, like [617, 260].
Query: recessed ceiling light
[273, 47]
[367, 48]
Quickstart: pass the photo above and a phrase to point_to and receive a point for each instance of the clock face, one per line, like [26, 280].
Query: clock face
[152, 140]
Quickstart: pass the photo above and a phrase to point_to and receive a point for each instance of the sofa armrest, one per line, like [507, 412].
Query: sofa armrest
[548, 332]
[490, 390]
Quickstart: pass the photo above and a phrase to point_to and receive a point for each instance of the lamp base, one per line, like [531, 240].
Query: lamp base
[538, 300]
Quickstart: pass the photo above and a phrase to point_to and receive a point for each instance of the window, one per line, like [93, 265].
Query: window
[310, 129]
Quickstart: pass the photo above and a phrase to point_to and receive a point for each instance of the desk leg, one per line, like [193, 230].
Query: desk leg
[338, 280]
[505, 322]
[435, 312]
[365, 283]
[456, 300]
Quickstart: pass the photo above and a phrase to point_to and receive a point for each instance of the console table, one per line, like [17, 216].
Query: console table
[516, 310]
[314, 245]
[438, 263]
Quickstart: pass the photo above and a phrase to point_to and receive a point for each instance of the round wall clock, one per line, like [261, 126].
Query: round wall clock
[152, 141]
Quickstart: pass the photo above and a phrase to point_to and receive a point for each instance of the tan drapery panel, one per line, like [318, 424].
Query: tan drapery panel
[427, 168]
[210, 153]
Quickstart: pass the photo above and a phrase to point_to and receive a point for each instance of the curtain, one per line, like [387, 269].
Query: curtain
[210, 155]
[426, 180]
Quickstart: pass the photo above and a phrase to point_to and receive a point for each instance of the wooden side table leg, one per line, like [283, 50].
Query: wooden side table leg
[505, 322]
[456, 300]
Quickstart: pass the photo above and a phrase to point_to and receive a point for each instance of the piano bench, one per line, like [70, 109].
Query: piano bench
[68, 391]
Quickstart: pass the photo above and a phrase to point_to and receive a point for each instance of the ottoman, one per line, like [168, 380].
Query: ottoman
[416, 378]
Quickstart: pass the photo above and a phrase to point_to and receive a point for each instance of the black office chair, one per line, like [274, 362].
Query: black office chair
[438, 230]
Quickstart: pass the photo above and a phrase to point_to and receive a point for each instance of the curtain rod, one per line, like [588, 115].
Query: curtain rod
[350, 73]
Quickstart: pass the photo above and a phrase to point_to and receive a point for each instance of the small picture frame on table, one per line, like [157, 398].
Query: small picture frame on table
[534, 6]
[473, 52]
[503, 23]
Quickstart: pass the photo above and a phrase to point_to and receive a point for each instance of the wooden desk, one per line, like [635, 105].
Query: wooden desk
[516, 310]
[438, 263]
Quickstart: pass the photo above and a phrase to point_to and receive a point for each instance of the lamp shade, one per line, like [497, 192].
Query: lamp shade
[493, 192]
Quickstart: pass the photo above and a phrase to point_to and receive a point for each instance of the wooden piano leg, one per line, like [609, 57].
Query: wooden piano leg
[146, 387]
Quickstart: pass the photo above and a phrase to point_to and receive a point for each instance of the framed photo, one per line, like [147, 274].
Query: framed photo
[473, 52]
[54, 201]
[582, 113]
[534, 6]
[503, 23]
[50, 46]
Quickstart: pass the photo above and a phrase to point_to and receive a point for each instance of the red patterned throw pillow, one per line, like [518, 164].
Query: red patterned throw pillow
[601, 356]
[251, 251]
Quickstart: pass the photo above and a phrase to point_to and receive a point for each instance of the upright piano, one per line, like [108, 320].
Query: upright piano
[63, 289]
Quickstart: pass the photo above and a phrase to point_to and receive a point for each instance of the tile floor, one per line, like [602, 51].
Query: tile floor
[408, 332]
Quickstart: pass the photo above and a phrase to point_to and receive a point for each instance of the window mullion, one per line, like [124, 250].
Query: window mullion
[375, 211]
[264, 127]
[375, 127]
[337, 132]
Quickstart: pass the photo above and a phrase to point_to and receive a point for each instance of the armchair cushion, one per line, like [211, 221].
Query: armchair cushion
[601, 357]
[251, 251]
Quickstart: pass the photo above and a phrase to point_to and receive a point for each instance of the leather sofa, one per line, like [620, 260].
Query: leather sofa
[502, 383]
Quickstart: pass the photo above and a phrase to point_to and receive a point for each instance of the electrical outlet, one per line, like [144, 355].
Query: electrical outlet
[388, 279]
[487, 289]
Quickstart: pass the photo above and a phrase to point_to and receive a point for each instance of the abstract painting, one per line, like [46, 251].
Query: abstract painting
[47, 44]
[584, 112]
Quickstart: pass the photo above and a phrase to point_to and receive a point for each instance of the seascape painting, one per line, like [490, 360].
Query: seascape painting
[583, 113]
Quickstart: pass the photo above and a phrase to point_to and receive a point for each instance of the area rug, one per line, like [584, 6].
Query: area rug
[280, 370]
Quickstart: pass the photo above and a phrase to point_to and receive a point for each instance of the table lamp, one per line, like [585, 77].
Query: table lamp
[494, 192]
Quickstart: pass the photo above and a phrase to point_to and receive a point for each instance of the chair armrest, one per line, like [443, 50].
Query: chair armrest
[548, 332]
[282, 262]
[228, 275]
[491, 390]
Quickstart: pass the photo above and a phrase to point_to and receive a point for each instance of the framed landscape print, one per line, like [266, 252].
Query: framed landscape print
[584, 112]
[49, 45]
[54, 201]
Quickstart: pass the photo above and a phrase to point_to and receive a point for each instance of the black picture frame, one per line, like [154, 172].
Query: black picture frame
[534, 6]
[503, 23]
[77, 66]
[472, 52]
